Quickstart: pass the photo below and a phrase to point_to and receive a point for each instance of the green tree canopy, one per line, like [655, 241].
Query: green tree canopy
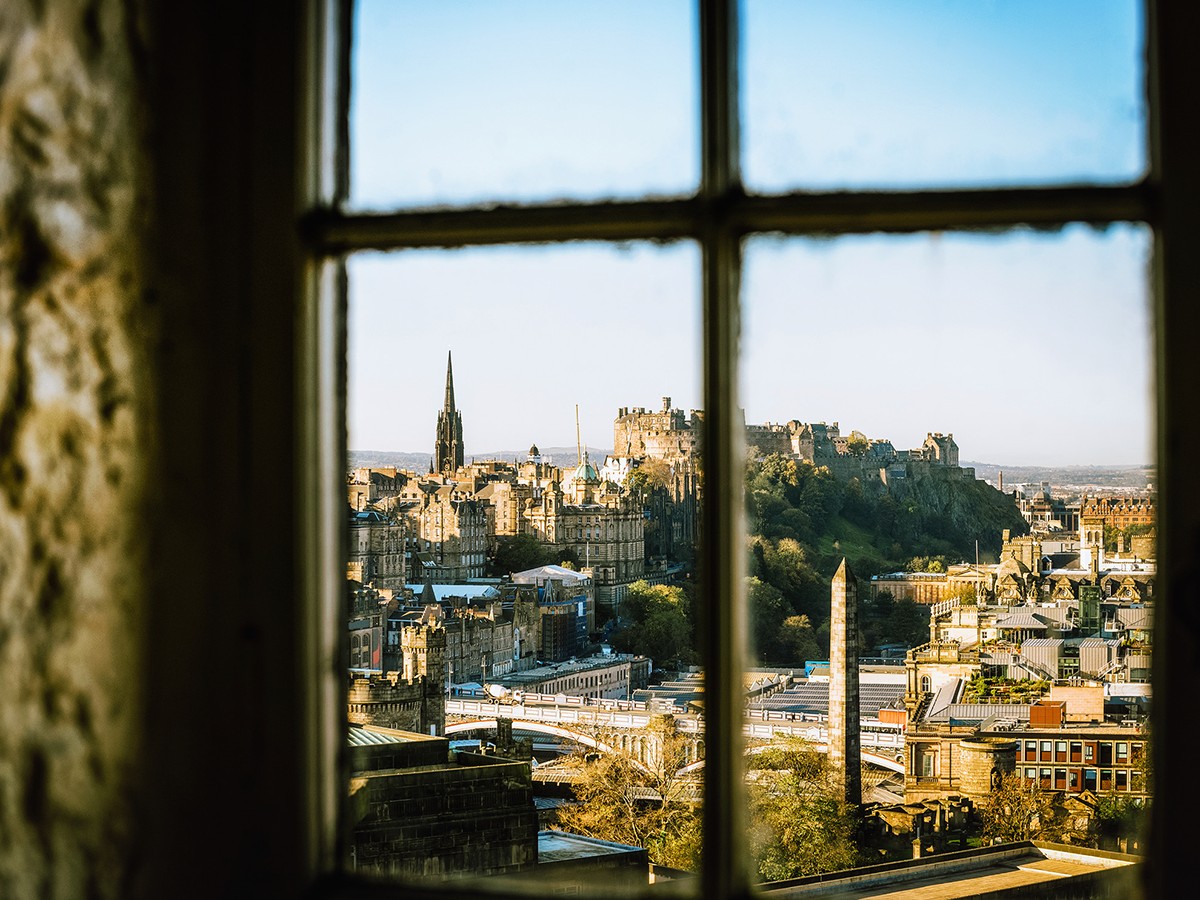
[797, 641]
[656, 621]
[800, 826]
[652, 474]
[519, 552]
[857, 443]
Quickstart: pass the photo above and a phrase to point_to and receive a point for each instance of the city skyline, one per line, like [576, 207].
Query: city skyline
[1033, 348]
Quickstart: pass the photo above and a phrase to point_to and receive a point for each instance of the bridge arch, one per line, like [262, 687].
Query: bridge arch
[875, 759]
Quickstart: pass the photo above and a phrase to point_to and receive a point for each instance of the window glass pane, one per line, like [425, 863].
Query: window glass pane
[525, 100]
[917, 93]
[522, 573]
[907, 398]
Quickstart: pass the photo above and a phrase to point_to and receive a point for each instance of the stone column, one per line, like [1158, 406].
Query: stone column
[845, 757]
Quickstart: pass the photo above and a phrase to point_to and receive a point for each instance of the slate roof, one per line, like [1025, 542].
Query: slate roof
[442, 592]
[943, 697]
[812, 698]
[1025, 620]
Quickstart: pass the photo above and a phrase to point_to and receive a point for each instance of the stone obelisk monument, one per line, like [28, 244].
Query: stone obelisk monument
[845, 757]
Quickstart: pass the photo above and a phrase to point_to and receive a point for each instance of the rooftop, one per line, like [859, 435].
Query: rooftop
[973, 873]
[555, 846]
[541, 673]
[545, 573]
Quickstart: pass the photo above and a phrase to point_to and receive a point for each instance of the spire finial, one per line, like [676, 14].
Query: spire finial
[578, 441]
[449, 381]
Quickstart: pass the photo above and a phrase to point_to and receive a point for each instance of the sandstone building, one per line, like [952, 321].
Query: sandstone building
[451, 531]
[378, 549]
[599, 523]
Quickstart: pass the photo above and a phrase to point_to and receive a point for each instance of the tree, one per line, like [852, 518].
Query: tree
[767, 610]
[1016, 811]
[650, 804]
[1117, 820]
[797, 641]
[967, 594]
[799, 823]
[519, 552]
[935, 564]
[651, 475]
[908, 622]
[857, 444]
[656, 621]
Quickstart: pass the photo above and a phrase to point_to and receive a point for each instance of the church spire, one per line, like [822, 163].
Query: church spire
[449, 404]
[448, 448]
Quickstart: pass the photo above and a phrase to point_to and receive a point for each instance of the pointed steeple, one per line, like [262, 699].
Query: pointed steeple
[449, 404]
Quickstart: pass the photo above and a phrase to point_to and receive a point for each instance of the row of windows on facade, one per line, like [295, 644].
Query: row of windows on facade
[1094, 780]
[1100, 752]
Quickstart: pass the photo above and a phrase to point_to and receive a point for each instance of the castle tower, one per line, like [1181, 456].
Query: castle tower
[1091, 535]
[448, 448]
[423, 650]
[845, 756]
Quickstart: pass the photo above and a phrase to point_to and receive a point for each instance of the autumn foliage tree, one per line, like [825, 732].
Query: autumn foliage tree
[650, 803]
[1018, 811]
[800, 825]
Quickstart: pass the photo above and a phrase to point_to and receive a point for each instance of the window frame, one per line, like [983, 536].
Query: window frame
[718, 218]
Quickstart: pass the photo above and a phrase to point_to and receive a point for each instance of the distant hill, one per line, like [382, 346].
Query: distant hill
[1129, 478]
[419, 462]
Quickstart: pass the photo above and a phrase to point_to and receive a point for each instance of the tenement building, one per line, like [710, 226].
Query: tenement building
[599, 523]
[452, 534]
[378, 547]
[487, 635]
[1056, 692]
[369, 487]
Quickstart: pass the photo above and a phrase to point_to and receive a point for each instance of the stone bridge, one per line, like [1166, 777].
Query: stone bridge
[606, 728]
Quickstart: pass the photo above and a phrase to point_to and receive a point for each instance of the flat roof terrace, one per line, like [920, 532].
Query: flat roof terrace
[1009, 870]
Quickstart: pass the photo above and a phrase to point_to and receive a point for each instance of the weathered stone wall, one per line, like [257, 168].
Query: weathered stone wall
[74, 450]
[658, 435]
[476, 817]
[982, 762]
[395, 703]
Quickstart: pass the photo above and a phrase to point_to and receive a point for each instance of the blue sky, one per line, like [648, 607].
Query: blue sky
[1031, 348]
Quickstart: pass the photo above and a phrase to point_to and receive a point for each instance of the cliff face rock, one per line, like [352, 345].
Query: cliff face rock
[73, 448]
[959, 509]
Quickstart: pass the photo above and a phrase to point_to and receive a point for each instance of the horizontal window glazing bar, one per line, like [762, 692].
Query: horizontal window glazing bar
[331, 233]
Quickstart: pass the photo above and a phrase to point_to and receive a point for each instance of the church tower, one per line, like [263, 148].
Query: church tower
[845, 756]
[448, 449]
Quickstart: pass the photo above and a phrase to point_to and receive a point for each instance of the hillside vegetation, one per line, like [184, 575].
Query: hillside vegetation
[803, 522]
